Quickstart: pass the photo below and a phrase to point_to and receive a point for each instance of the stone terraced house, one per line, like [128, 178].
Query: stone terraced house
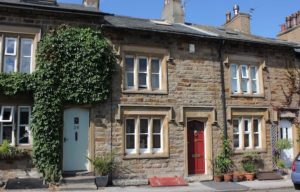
[176, 88]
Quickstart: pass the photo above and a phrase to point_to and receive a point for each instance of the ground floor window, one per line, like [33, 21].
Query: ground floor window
[15, 124]
[247, 132]
[144, 134]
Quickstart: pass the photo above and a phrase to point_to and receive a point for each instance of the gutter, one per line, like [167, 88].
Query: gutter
[223, 94]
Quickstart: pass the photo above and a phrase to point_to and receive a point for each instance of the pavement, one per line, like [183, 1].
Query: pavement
[284, 185]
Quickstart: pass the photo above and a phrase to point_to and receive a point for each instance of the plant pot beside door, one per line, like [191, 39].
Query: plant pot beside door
[249, 163]
[103, 165]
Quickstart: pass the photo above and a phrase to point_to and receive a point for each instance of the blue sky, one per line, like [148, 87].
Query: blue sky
[266, 18]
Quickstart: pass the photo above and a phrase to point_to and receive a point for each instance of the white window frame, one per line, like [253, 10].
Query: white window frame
[134, 150]
[11, 114]
[15, 46]
[136, 84]
[150, 149]
[250, 131]
[19, 125]
[144, 86]
[153, 73]
[240, 76]
[157, 150]
[133, 72]
[148, 134]
[258, 133]
[22, 56]
[238, 133]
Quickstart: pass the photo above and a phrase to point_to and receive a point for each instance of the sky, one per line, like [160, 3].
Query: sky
[266, 18]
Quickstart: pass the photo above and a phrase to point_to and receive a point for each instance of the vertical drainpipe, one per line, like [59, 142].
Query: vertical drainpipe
[223, 95]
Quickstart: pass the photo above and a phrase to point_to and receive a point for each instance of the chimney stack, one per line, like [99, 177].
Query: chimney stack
[290, 30]
[173, 11]
[228, 16]
[239, 22]
[93, 4]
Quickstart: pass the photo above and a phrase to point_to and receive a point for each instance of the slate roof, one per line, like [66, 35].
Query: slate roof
[154, 25]
[191, 30]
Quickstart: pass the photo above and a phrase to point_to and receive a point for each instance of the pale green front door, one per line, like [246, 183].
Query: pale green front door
[75, 139]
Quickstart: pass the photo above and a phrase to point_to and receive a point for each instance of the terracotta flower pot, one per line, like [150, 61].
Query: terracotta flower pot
[237, 177]
[218, 178]
[228, 177]
[249, 176]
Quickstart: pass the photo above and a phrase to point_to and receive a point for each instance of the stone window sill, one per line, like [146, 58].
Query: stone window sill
[146, 156]
[155, 92]
[241, 151]
[248, 95]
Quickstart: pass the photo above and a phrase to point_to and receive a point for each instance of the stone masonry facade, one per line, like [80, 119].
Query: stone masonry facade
[193, 83]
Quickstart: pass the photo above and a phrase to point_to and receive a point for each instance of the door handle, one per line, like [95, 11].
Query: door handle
[65, 139]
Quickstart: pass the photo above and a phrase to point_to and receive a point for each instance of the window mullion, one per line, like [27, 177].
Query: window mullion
[242, 129]
[137, 135]
[150, 135]
[1, 53]
[149, 74]
[136, 73]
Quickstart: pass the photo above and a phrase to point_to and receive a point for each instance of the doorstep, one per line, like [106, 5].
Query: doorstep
[198, 178]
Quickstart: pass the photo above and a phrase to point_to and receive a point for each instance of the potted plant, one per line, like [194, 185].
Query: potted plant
[237, 176]
[280, 146]
[104, 165]
[223, 162]
[280, 166]
[218, 176]
[249, 165]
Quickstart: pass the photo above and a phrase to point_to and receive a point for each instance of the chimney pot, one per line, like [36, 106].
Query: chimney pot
[294, 20]
[228, 16]
[236, 9]
[288, 22]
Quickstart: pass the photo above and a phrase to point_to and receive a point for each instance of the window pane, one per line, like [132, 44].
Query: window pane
[144, 126]
[130, 126]
[130, 81]
[7, 133]
[6, 114]
[156, 141]
[156, 126]
[254, 86]
[246, 125]
[9, 64]
[24, 116]
[244, 71]
[10, 47]
[142, 65]
[130, 142]
[142, 80]
[129, 64]
[26, 47]
[234, 85]
[235, 123]
[143, 141]
[155, 81]
[155, 65]
[245, 85]
[256, 140]
[23, 135]
[255, 125]
[233, 69]
[246, 140]
[253, 72]
[25, 64]
[236, 140]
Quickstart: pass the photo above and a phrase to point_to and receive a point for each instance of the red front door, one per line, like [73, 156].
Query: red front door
[196, 151]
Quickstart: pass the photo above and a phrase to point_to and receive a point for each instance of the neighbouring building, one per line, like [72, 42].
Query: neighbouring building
[176, 88]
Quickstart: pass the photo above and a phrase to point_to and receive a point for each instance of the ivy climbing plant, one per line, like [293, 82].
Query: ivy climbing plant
[73, 66]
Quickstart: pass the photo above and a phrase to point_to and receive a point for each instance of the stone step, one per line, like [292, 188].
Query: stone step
[79, 179]
[77, 187]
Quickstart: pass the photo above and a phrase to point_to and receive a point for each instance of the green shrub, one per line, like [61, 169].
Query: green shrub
[9, 152]
[249, 167]
[104, 164]
[282, 144]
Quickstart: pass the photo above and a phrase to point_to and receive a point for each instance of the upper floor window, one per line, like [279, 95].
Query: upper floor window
[245, 79]
[16, 53]
[143, 73]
